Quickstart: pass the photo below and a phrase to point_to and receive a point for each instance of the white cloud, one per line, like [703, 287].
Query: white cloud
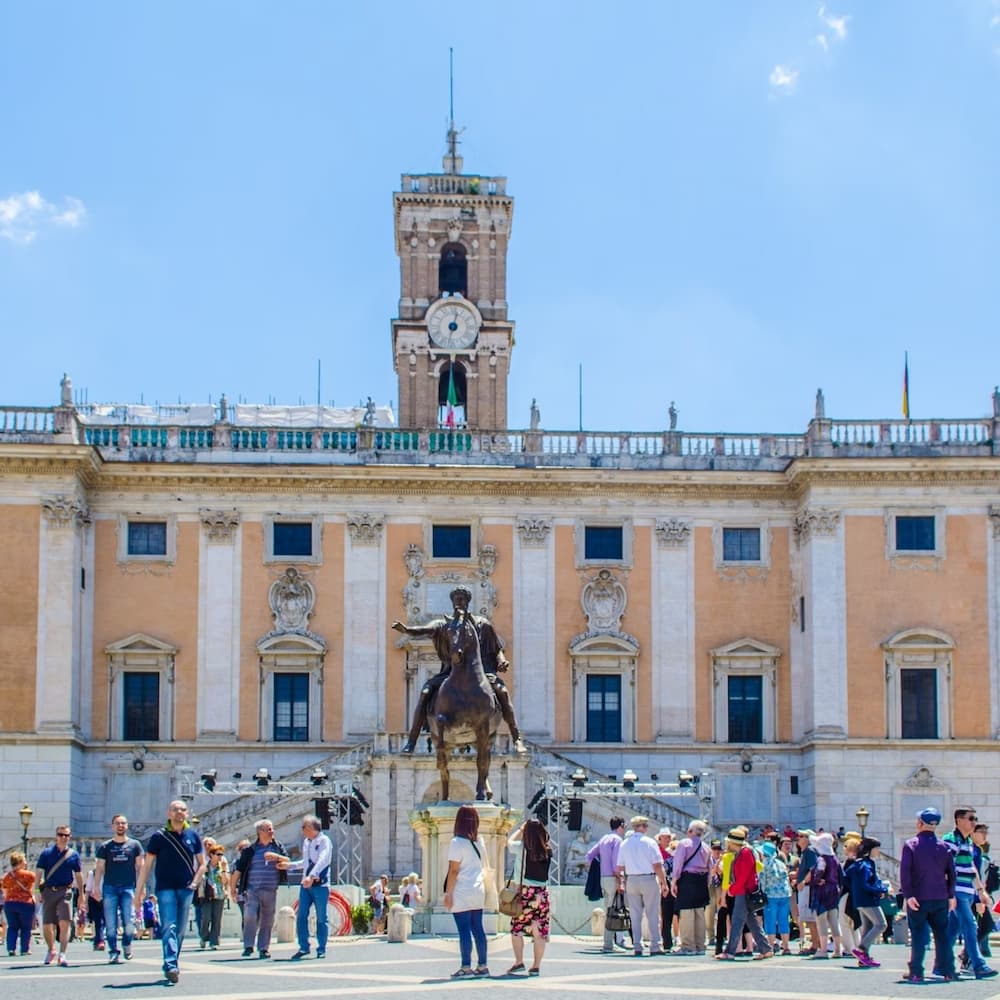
[822, 42]
[837, 25]
[783, 79]
[23, 216]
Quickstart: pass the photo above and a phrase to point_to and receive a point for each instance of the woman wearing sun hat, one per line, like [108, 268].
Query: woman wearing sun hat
[743, 880]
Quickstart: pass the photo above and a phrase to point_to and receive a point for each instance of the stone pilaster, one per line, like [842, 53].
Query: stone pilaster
[993, 591]
[820, 536]
[534, 628]
[673, 630]
[364, 627]
[219, 602]
[58, 684]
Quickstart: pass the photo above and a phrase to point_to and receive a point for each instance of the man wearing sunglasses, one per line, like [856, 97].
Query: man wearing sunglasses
[970, 892]
[58, 868]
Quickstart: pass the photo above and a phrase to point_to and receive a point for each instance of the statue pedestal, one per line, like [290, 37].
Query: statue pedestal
[434, 826]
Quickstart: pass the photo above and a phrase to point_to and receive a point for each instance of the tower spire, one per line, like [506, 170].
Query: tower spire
[452, 161]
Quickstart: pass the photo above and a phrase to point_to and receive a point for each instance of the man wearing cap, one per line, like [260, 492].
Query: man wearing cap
[927, 882]
[606, 849]
[689, 885]
[969, 890]
[639, 860]
[808, 859]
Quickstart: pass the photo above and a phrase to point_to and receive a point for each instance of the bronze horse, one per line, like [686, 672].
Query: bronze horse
[464, 710]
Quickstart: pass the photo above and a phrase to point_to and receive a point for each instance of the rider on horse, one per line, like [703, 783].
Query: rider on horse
[493, 659]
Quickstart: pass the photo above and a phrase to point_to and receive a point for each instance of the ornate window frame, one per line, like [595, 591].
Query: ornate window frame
[915, 557]
[316, 520]
[140, 653]
[918, 649]
[580, 526]
[475, 539]
[290, 653]
[746, 657]
[123, 521]
[718, 545]
[604, 654]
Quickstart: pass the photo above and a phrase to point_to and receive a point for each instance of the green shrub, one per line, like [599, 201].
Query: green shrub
[361, 917]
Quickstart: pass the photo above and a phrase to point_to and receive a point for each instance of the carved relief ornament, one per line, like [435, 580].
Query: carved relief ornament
[604, 599]
[673, 532]
[534, 531]
[815, 521]
[220, 524]
[995, 518]
[365, 529]
[63, 511]
[292, 599]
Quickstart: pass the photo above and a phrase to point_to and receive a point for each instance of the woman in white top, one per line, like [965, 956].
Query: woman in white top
[465, 890]
[409, 891]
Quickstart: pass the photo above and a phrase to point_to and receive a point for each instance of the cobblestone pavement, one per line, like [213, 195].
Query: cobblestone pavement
[572, 967]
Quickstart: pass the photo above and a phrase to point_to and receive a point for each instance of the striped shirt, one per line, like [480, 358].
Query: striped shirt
[965, 865]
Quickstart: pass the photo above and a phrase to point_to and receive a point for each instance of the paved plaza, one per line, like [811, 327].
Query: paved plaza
[573, 967]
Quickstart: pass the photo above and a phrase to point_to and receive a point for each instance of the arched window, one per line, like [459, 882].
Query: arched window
[453, 270]
[452, 395]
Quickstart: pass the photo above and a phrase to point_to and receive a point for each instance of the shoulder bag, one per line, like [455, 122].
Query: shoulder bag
[510, 902]
[617, 918]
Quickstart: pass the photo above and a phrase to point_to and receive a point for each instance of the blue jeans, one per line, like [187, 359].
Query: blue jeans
[119, 901]
[175, 909]
[317, 896]
[470, 925]
[963, 921]
[19, 920]
[932, 916]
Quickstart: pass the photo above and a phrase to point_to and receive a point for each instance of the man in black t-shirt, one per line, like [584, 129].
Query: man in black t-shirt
[119, 861]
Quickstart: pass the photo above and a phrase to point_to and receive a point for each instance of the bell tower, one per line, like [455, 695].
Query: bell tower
[452, 340]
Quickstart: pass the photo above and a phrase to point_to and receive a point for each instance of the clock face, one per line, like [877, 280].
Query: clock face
[452, 325]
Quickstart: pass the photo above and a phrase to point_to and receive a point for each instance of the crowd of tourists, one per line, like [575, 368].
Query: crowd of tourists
[748, 898]
[739, 897]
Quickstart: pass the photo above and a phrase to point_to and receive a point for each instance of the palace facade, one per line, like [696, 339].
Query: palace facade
[812, 618]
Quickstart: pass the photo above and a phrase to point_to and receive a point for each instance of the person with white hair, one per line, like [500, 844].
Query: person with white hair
[665, 842]
[256, 879]
[824, 895]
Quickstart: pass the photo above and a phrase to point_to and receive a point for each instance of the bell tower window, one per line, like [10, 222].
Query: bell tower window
[452, 395]
[453, 270]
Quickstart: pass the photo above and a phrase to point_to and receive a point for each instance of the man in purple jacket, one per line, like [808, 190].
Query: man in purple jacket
[927, 882]
[607, 850]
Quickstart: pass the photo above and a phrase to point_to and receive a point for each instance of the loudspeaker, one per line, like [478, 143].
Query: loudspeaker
[322, 810]
[575, 821]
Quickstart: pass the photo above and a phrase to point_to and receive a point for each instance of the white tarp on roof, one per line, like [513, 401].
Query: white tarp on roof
[247, 415]
[241, 414]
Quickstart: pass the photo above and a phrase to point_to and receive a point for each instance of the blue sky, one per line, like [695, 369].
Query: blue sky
[723, 204]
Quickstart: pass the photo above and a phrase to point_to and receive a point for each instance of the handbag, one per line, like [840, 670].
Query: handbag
[756, 899]
[617, 918]
[509, 899]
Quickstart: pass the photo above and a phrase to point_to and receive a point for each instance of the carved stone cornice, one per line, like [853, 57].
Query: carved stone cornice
[63, 511]
[672, 532]
[534, 531]
[220, 524]
[995, 518]
[815, 521]
[365, 529]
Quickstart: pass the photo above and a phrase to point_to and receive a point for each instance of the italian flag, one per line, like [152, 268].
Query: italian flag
[449, 420]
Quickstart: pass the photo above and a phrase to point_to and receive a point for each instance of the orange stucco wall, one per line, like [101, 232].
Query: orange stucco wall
[883, 599]
[158, 599]
[730, 609]
[19, 538]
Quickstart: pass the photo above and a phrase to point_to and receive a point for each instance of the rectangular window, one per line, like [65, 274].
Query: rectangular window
[147, 538]
[292, 538]
[291, 708]
[746, 710]
[451, 541]
[141, 706]
[602, 542]
[741, 544]
[915, 534]
[604, 708]
[918, 691]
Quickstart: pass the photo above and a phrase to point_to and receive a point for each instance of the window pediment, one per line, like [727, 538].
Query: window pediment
[139, 642]
[746, 648]
[919, 638]
[291, 643]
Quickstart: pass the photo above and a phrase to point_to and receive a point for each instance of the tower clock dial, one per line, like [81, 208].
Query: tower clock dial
[452, 325]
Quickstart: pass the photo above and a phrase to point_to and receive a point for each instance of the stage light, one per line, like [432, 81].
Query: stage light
[654, 777]
[208, 779]
[237, 775]
[262, 777]
[579, 777]
[319, 776]
[685, 779]
[629, 778]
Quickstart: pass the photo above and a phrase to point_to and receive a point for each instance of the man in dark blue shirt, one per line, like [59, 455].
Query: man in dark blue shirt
[119, 861]
[58, 868]
[179, 857]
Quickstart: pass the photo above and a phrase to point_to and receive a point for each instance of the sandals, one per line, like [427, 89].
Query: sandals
[462, 973]
[533, 971]
[515, 968]
[762, 955]
[481, 970]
